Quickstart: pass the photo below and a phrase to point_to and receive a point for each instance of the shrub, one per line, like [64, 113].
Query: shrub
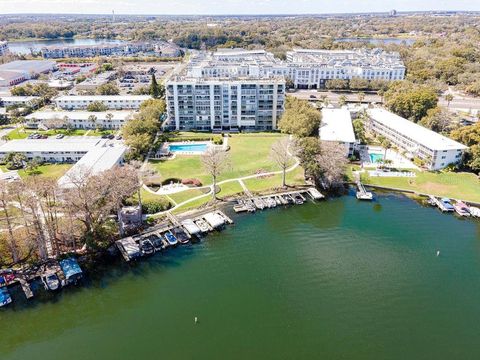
[155, 206]
[171, 180]
[194, 182]
[218, 141]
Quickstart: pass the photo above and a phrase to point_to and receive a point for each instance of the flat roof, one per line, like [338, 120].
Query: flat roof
[28, 65]
[98, 159]
[18, 98]
[79, 115]
[67, 144]
[415, 132]
[102, 97]
[336, 126]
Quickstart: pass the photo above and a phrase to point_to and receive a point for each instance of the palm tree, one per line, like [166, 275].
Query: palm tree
[386, 144]
[361, 97]
[93, 119]
[342, 100]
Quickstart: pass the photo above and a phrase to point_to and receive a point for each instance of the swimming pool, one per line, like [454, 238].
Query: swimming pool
[374, 158]
[188, 148]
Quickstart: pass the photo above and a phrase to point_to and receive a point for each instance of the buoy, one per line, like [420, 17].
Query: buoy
[438, 252]
[196, 320]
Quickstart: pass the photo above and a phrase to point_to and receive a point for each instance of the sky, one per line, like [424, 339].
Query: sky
[219, 7]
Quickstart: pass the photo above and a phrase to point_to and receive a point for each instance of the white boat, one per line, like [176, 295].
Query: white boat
[191, 227]
[475, 211]
[202, 225]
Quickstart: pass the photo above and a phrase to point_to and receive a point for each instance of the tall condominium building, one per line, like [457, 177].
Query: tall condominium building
[313, 68]
[224, 104]
[228, 90]
[3, 48]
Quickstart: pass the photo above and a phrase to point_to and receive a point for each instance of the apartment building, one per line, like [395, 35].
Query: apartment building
[3, 48]
[23, 101]
[113, 102]
[311, 69]
[434, 150]
[80, 119]
[337, 127]
[224, 104]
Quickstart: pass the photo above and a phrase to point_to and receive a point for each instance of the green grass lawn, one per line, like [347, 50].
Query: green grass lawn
[294, 177]
[53, 171]
[193, 205]
[21, 133]
[185, 195]
[249, 153]
[465, 186]
[230, 188]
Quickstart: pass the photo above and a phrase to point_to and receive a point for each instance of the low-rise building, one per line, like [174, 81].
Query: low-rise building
[66, 150]
[336, 126]
[3, 48]
[101, 157]
[23, 101]
[81, 119]
[114, 102]
[435, 151]
[16, 72]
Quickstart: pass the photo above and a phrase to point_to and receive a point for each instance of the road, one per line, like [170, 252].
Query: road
[459, 102]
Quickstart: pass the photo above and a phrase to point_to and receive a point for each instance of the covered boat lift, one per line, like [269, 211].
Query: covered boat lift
[71, 269]
[214, 220]
[191, 227]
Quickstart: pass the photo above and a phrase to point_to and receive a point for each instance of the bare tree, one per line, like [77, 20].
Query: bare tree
[332, 164]
[5, 199]
[215, 161]
[281, 156]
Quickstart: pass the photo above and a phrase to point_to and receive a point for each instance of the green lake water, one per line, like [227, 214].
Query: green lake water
[338, 279]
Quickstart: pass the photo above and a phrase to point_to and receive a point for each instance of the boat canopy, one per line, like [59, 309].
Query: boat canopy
[214, 220]
[70, 268]
[130, 246]
[191, 227]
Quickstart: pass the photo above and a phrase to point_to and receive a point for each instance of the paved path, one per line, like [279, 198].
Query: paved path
[210, 187]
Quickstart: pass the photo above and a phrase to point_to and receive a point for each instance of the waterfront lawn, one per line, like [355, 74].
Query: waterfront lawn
[249, 153]
[295, 177]
[185, 195]
[465, 186]
[193, 205]
[228, 189]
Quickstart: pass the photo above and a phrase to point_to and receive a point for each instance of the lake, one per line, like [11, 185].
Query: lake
[25, 47]
[378, 41]
[338, 279]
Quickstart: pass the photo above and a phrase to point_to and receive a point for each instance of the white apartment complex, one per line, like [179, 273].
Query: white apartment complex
[114, 102]
[81, 119]
[336, 126]
[3, 48]
[435, 150]
[7, 101]
[311, 69]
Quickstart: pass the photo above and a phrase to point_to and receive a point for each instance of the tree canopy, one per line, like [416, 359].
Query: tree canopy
[299, 118]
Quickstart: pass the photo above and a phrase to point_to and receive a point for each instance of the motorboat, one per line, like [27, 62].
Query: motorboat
[156, 242]
[51, 281]
[298, 200]
[171, 239]
[445, 205]
[5, 297]
[202, 225]
[146, 247]
[461, 209]
[475, 211]
[181, 236]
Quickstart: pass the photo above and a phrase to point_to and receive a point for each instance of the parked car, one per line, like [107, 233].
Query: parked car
[111, 136]
[59, 136]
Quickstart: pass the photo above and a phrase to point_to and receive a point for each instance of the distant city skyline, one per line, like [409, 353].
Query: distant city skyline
[228, 7]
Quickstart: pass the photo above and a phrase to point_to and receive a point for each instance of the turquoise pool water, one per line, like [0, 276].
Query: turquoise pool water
[188, 147]
[375, 157]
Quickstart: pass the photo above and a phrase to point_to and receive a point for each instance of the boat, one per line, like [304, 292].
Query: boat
[283, 200]
[5, 297]
[156, 242]
[191, 227]
[7, 276]
[181, 236]
[72, 271]
[203, 226]
[238, 208]
[287, 199]
[146, 247]
[445, 205]
[51, 281]
[259, 204]
[278, 201]
[475, 211]
[172, 240]
[431, 200]
[298, 199]
[461, 209]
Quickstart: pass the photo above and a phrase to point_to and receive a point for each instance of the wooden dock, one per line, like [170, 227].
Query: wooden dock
[362, 193]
